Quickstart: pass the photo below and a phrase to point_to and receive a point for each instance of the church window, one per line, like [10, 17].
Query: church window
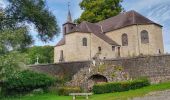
[124, 39]
[144, 37]
[71, 28]
[61, 56]
[113, 48]
[159, 51]
[99, 49]
[84, 41]
[118, 51]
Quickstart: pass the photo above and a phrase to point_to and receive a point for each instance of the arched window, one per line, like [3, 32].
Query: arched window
[84, 41]
[124, 39]
[144, 37]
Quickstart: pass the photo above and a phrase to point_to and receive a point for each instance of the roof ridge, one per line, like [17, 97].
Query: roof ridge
[87, 26]
[115, 16]
[134, 18]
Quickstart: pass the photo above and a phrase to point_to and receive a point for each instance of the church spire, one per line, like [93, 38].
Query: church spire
[69, 19]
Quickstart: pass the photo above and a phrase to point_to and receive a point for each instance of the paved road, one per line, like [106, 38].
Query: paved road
[161, 95]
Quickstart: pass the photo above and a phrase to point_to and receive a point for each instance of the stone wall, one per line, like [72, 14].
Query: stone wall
[157, 68]
[61, 69]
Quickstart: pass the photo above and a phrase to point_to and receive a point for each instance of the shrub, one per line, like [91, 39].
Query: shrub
[66, 90]
[27, 81]
[119, 86]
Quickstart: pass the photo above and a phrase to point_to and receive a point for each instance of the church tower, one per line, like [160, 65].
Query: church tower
[69, 25]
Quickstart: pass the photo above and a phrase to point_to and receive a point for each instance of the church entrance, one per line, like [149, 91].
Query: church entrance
[95, 79]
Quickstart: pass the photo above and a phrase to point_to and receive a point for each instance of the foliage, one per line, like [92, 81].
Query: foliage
[119, 68]
[44, 53]
[102, 67]
[67, 90]
[119, 86]
[26, 81]
[97, 10]
[19, 12]
[14, 39]
[10, 64]
[14, 35]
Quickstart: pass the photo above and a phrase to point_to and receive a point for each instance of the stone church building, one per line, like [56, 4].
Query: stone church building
[125, 35]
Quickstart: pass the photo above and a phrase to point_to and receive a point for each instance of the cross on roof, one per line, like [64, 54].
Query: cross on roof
[68, 5]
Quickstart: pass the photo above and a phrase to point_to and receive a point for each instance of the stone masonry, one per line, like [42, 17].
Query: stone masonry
[156, 68]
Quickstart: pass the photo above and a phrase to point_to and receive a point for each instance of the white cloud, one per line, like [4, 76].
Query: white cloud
[2, 4]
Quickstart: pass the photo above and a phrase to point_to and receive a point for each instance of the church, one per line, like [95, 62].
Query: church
[128, 34]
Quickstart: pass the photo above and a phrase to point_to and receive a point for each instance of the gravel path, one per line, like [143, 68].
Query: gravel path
[160, 95]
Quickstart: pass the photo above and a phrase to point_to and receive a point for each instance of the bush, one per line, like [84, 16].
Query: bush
[27, 81]
[66, 90]
[120, 86]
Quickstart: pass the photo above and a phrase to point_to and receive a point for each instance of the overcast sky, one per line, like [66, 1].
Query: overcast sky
[156, 10]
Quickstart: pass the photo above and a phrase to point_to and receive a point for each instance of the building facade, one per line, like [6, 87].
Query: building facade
[125, 35]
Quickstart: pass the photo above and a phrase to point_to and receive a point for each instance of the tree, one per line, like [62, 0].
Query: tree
[35, 12]
[14, 35]
[14, 39]
[11, 63]
[97, 10]
[44, 53]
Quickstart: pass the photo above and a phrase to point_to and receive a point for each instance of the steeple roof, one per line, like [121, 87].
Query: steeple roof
[69, 18]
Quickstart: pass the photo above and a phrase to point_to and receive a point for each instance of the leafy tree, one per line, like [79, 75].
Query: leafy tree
[14, 39]
[14, 35]
[26, 81]
[11, 63]
[97, 10]
[44, 53]
[34, 12]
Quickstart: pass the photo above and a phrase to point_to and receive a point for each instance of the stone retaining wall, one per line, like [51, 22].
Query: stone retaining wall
[157, 68]
[61, 69]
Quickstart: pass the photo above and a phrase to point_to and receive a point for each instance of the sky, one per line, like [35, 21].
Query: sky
[156, 10]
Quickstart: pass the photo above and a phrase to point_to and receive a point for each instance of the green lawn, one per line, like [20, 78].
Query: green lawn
[109, 96]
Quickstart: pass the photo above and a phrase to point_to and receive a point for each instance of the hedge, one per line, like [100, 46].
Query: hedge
[119, 86]
[66, 90]
[27, 81]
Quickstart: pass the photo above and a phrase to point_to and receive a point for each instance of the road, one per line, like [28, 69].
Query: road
[160, 95]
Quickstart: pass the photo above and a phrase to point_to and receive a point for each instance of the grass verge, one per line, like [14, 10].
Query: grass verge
[109, 96]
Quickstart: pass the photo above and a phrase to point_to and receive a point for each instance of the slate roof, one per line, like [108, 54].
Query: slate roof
[87, 27]
[123, 20]
[110, 24]
[61, 42]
